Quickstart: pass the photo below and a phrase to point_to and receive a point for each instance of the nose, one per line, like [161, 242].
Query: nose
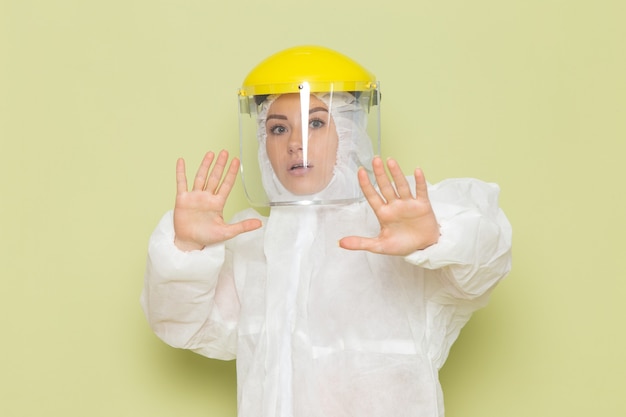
[295, 141]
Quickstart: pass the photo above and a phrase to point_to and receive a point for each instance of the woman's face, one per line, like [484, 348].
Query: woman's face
[285, 146]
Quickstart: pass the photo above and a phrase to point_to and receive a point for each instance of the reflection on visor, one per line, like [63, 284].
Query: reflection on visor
[305, 93]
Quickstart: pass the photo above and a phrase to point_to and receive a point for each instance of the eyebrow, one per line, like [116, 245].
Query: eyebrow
[282, 117]
[316, 109]
[276, 116]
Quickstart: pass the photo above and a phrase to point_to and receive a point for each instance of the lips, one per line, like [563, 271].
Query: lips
[300, 168]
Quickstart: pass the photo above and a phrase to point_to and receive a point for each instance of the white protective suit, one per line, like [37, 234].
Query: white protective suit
[318, 330]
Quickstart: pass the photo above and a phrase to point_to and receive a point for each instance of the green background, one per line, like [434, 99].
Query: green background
[99, 98]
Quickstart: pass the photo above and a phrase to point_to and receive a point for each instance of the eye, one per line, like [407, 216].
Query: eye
[277, 129]
[316, 123]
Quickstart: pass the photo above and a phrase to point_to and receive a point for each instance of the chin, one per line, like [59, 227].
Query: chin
[304, 190]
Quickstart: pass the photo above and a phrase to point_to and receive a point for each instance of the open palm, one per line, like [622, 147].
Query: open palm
[198, 213]
[407, 221]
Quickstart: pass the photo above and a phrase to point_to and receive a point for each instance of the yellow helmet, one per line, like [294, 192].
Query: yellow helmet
[324, 69]
[328, 119]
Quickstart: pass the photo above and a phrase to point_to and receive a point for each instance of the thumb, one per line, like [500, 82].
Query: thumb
[243, 227]
[358, 243]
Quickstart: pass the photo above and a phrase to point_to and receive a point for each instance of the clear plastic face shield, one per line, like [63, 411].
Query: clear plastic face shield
[305, 145]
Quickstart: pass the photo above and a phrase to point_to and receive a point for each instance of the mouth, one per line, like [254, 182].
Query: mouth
[300, 168]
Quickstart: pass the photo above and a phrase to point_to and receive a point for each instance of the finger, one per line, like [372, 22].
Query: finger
[216, 173]
[421, 186]
[384, 185]
[229, 179]
[369, 191]
[244, 226]
[361, 243]
[200, 179]
[402, 185]
[181, 177]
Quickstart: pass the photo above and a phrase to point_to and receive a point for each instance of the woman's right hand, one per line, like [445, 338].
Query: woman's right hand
[198, 214]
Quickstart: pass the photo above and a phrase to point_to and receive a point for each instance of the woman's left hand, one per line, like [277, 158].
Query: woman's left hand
[407, 221]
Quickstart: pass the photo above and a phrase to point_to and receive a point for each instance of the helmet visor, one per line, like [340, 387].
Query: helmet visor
[305, 147]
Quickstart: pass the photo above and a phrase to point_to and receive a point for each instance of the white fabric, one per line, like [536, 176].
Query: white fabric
[321, 331]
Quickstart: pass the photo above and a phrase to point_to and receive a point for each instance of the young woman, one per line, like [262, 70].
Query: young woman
[345, 301]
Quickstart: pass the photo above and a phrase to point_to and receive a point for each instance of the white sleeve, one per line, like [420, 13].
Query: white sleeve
[474, 250]
[181, 292]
